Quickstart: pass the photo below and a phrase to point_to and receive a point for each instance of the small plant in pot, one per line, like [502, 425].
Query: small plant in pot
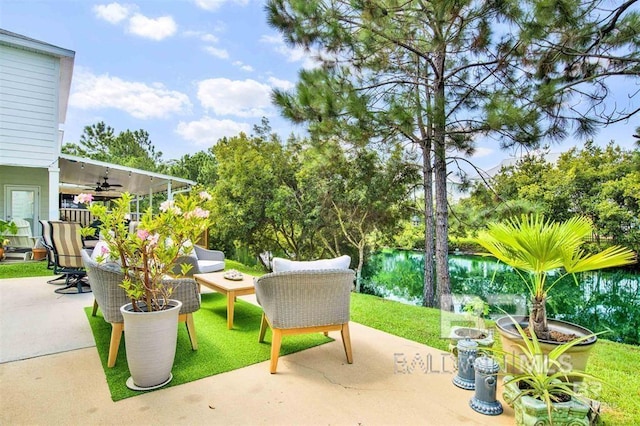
[542, 252]
[547, 389]
[6, 227]
[475, 310]
[147, 256]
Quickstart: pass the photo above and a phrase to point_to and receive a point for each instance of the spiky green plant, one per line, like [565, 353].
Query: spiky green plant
[536, 247]
[545, 376]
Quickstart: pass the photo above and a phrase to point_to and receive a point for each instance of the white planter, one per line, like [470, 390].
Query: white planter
[150, 340]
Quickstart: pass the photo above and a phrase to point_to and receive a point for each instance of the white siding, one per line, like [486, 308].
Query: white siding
[28, 107]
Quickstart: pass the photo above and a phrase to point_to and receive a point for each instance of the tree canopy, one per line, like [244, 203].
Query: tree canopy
[601, 183]
[439, 74]
[128, 148]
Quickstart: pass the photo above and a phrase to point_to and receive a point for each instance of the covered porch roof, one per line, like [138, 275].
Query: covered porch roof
[85, 175]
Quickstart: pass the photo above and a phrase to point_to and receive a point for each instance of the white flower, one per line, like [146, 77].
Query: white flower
[166, 205]
[169, 205]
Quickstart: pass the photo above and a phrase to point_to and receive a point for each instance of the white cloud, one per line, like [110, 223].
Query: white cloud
[207, 131]
[281, 84]
[209, 38]
[243, 66]
[242, 98]
[113, 12]
[138, 99]
[482, 152]
[212, 5]
[206, 37]
[218, 53]
[154, 29]
[296, 54]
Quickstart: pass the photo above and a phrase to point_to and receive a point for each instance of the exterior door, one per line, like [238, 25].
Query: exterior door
[23, 202]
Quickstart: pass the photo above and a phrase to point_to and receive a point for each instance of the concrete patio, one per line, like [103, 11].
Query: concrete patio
[50, 373]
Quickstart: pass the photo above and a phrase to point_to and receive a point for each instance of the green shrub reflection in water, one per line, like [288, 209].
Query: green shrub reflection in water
[603, 300]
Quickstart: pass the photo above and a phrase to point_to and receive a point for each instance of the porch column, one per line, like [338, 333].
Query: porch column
[54, 191]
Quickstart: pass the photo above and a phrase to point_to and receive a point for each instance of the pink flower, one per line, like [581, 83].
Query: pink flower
[153, 240]
[83, 199]
[204, 195]
[142, 234]
[197, 212]
[201, 213]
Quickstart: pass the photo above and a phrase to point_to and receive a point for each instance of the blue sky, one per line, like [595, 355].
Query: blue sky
[189, 72]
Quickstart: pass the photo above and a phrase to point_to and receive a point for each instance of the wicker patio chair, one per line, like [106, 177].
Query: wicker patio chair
[297, 302]
[105, 279]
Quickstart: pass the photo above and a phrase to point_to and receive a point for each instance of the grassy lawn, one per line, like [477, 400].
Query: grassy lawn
[24, 269]
[615, 363]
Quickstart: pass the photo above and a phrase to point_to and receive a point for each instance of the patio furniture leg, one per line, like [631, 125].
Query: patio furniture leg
[95, 308]
[276, 341]
[77, 281]
[191, 330]
[116, 334]
[346, 342]
[53, 281]
[263, 328]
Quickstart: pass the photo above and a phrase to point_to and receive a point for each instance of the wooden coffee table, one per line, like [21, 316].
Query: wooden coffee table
[217, 282]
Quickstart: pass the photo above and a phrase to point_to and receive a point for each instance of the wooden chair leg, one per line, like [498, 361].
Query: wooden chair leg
[276, 340]
[346, 341]
[116, 334]
[191, 330]
[95, 308]
[263, 328]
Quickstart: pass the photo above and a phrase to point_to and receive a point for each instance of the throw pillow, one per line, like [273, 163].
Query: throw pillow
[280, 265]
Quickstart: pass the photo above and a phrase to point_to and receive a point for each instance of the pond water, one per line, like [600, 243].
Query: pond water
[608, 299]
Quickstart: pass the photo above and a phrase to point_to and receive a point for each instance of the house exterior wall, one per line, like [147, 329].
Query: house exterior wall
[29, 87]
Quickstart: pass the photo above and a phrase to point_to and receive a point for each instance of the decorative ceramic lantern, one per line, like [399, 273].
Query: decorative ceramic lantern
[486, 378]
[467, 352]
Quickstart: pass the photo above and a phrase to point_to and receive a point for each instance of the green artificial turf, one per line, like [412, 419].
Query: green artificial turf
[219, 349]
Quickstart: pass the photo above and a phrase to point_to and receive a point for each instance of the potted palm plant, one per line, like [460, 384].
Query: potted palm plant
[542, 252]
[6, 227]
[544, 389]
[147, 255]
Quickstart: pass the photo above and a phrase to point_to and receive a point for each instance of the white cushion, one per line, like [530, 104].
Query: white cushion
[280, 265]
[206, 266]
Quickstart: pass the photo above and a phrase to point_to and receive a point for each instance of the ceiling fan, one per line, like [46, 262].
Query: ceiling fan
[106, 186]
